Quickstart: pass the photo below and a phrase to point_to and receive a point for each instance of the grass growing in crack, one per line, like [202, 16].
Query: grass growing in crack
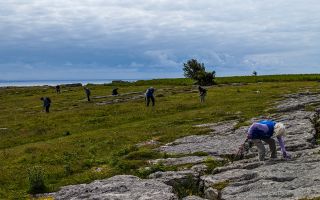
[221, 185]
[314, 198]
[315, 120]
[187, 187]
[144, 172]
[212, 164]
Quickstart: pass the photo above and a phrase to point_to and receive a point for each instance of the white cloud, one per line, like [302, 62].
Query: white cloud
[231, 36]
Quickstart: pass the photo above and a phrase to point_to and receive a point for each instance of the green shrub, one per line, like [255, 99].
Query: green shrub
[36, 180]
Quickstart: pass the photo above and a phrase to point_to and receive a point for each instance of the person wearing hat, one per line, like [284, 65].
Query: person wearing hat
[264, 130]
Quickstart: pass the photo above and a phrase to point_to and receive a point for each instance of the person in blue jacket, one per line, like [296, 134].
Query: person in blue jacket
[264, 131]
[149, 96]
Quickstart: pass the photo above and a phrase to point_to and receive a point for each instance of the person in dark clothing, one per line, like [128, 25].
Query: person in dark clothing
[115, 92]
[202, 94]
[149, 96]
[58, 89]
[88, 92]
[46, 103]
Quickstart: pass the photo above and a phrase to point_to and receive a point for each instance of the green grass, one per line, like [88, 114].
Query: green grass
[315, 198]
[268, 78]
[104, 137]
[226, 80]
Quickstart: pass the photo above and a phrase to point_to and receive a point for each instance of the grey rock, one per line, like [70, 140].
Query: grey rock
[220, 143]
[220, 127]
[211, 194]
[122, 187]
[278, 180]
[298, 101]
[193, 198]
[175, 177]
[185, 160]
[200, 169]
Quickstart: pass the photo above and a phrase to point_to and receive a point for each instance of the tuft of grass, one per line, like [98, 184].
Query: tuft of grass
[144, 172]
[200, 153]
[212, 164]
[221, 185]
[187, 188]
[143, 154]
[314, 198]
[36, 178]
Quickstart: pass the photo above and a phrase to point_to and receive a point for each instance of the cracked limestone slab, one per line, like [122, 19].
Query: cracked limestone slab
[185, 160]
[124, 187]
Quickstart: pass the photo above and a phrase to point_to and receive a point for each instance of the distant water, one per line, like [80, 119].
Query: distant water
[5, 83]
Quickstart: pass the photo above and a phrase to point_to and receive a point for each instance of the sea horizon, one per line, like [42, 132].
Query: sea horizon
[22, 83]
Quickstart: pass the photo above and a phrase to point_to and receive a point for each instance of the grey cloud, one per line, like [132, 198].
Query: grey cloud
[230, 36]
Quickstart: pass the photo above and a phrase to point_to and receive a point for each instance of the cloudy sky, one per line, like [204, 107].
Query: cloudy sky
[123, 39]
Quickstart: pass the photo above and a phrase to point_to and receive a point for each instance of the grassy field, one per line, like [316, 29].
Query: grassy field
[78, 137]
[232, 79]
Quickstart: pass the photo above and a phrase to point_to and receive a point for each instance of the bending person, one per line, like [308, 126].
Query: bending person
[263, 131]
[149, 96]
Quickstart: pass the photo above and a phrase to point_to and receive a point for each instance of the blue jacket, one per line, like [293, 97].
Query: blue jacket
[261, 130]
[149, 92]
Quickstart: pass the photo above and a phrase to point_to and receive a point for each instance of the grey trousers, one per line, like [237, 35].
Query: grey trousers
[262, 149]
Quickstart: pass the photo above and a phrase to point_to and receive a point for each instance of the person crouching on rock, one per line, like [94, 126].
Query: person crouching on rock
[263, 131]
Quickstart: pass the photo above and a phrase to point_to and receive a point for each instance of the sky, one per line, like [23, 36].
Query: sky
[142, 39]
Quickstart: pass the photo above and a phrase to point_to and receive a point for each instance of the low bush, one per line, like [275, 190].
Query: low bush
[36, 178]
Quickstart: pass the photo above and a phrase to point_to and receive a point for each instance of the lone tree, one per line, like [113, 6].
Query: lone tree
[195, 70]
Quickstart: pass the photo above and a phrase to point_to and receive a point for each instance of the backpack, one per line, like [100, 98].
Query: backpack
[49, 100]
